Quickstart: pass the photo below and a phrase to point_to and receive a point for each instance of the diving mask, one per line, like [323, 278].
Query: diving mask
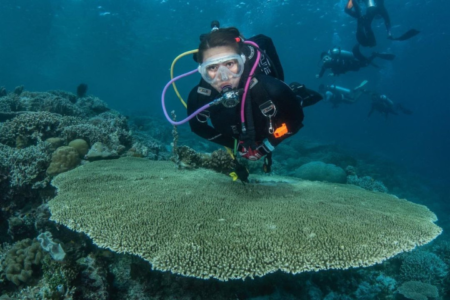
[222, 68]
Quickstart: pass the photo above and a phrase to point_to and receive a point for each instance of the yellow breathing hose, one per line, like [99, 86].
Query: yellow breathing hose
[171, 73]
[178, 94]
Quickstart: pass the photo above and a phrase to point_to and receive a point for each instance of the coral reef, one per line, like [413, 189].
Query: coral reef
[42, 101]
[367, 183]
[417, 290]
[108, 128]
[63, 159]
[47, 243]
[81, 146]
[320, 171]
[199, 223]
[29, 128]
[94, 281]
[34, 125]
[19, 260]
[100, 151]
[219, 160]
[92, 106]
[25, 167]
[423, 266]
[32, 118]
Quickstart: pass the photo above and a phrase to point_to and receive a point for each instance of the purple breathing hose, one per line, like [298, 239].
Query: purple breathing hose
[164, 105]
[247, 84]
[249, 79]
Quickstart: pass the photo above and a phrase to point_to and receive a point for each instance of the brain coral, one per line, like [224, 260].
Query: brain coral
[200, 223]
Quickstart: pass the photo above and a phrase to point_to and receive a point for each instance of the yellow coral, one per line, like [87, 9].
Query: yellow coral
[199, 223]
[63, 159]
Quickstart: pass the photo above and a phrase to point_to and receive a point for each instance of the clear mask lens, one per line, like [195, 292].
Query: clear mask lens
[222, 68]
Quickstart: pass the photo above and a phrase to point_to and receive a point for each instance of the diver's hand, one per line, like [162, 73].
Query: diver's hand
[252, 154]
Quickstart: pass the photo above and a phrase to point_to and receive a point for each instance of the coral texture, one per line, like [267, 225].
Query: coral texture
[81, 146]
[24, 167]
[423, 266]
[417, 290]
[19, 260]
[320, 171]
[199, 223]
[367, 182]
[63, 159]
[29, 128]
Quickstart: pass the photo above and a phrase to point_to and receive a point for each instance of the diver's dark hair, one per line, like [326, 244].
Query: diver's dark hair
[221, 37]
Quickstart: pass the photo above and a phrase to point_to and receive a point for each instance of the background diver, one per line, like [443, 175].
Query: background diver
[374, 8]
[341, 61]
[384, 105]
[337, 95]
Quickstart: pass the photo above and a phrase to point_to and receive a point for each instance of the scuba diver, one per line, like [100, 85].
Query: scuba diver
[342, 61]
[337, 95]
[241, 101]
[374, 8]
[384, 105]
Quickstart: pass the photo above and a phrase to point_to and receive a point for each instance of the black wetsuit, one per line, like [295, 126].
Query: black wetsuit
[226, 122]
[364, 32]
[344, 61]
[222, 125]
[342, 65]
[384, 106]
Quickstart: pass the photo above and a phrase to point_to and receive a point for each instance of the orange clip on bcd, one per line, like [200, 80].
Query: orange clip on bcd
[280, 131]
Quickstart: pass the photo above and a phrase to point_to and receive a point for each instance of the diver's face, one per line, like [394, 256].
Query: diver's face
[219, 71]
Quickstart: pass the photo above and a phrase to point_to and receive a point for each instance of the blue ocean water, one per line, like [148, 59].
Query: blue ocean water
[123, 51]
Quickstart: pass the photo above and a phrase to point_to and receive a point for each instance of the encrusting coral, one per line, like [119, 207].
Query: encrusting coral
[199, 223]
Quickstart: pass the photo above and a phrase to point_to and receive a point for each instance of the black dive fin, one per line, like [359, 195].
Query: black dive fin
[386, 56]
[306, 96]
[357, 53]
[407, 35]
